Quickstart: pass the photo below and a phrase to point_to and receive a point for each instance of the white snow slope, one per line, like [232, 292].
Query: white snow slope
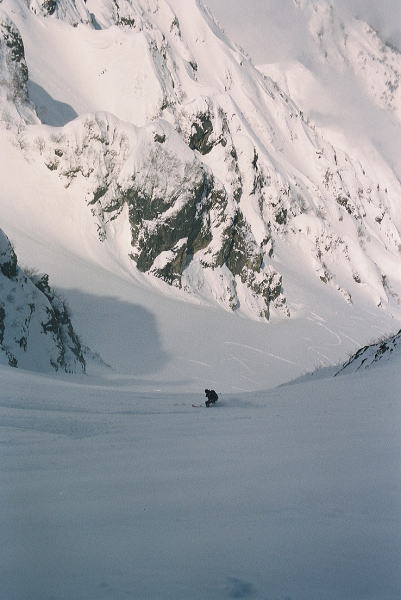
[110, 494]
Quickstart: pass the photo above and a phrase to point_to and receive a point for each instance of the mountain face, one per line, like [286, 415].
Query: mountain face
[35, 325]
[227, 188]
[357, 46]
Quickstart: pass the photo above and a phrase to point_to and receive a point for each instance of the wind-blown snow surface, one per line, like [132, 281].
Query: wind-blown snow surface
[289, 494]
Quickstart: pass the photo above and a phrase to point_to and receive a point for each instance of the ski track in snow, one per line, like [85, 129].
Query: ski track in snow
[321, 323]
[357, 343]
[319, 353]
[243, 363]
[259, 351]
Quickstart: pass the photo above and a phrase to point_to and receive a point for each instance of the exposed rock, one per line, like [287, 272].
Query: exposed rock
[14, 99]
[72, 11]
[35, 323]
[202, 129]
[373, 354]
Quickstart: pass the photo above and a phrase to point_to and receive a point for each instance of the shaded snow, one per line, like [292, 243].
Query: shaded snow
[111, 493]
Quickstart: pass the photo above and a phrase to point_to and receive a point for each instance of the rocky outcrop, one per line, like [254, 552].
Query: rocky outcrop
[35, 322]
[71, 11]
[374, 354]
[15, 106]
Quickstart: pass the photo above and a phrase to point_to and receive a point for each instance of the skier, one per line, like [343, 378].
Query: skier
[211, 396]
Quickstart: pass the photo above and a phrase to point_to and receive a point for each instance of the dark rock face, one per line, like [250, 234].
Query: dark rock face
[202, 129]
[60, 327]
[8, 260]
[154, 231]
[49, 6]
[35, 323]
[12, 62]
[124, 15]
[239, 251]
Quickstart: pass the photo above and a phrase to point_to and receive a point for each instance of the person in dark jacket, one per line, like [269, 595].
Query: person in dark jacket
[211, 396]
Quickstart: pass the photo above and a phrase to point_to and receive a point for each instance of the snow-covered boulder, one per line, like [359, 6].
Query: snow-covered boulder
[35, 325]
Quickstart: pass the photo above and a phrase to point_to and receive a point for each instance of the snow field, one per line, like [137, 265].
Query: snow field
[107, 492]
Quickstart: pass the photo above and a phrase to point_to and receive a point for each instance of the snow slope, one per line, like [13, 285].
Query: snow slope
[110, 493]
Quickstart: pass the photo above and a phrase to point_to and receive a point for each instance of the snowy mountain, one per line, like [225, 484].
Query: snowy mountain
[358, 47]
[138, 139]
[254, 181]
[35, 326]
[211, 225]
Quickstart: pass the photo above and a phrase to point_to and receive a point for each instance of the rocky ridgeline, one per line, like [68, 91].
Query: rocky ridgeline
[35, 324]
[374, 354]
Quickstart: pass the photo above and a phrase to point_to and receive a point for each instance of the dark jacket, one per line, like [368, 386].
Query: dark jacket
[211, 396]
